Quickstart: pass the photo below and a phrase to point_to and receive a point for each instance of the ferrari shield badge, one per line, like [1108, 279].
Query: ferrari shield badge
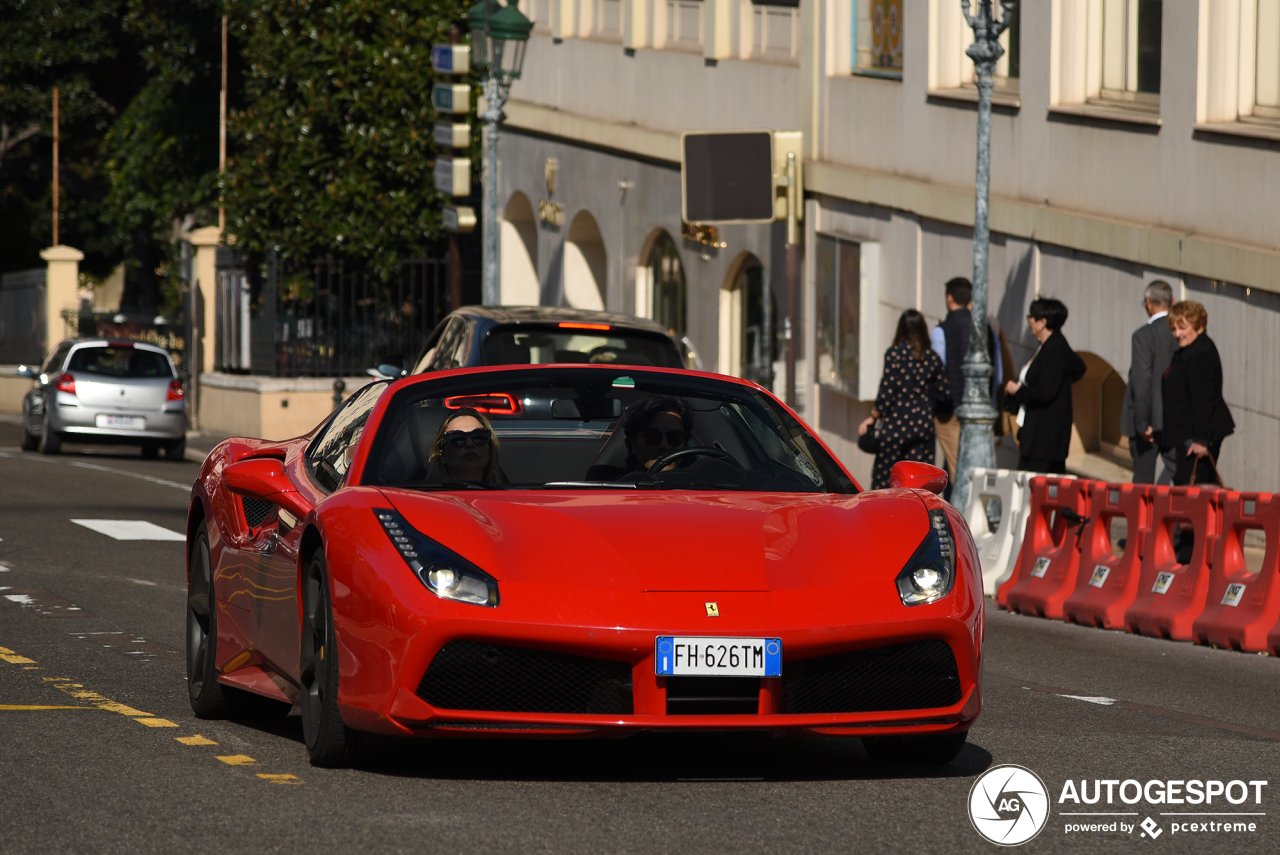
[713, 610]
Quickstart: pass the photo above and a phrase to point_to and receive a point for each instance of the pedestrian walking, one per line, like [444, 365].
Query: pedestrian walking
[1142, 414]
[913, 384]
[1042, 392]
[1196, 418]
[950, 340]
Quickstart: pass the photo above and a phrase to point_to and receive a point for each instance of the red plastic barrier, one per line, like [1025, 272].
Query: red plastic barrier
[1107, 584]
[1242, 606]
[1172, 595]
[1050, 555]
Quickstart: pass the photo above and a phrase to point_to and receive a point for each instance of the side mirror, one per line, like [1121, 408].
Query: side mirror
[27, 371]
[909, 475]
[264, 478]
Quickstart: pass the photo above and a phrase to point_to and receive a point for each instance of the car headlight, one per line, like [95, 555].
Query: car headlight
[931, 572]
[445, 573]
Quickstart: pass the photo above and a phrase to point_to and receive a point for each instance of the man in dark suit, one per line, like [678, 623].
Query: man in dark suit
[1142, 415]
[1042, 392]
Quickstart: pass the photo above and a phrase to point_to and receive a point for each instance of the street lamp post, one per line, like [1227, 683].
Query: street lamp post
[492, 27]
[977, 415]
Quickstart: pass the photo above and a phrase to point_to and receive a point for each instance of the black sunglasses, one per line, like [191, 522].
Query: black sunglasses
[653, 436]
[459, 438]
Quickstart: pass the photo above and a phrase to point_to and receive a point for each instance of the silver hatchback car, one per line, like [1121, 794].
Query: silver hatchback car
[95, 390]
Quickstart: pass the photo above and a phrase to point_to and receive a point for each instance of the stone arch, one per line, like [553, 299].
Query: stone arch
[518, 240]
[748, 321]
[1096, 400]
[662, 291]
[585, 264]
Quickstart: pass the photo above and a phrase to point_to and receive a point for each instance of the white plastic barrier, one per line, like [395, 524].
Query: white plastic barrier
[997, 550]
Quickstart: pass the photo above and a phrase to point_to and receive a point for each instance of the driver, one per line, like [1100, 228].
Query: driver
[465, 449]
[653, 427]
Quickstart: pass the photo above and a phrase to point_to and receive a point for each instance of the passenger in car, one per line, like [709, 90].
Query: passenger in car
[653, 427]
[465, 449]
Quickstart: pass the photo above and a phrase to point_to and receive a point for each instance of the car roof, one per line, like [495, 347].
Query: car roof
[534, 314]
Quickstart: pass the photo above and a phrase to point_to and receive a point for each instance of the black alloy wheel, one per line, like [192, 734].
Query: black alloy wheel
[328, 740]
[50, 439]
[927, 750]
[209, 698]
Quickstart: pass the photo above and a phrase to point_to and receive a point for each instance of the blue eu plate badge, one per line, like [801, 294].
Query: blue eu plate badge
[717, 656]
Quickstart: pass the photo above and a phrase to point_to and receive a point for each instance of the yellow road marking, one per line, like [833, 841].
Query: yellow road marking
[155, 722]
[24, 707]
[237, 760]
[15, 659]
[280, 779]
[112, 706]
[195, 740]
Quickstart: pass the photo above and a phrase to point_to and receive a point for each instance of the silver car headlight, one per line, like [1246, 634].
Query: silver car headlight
[931, 573]
[444, 572]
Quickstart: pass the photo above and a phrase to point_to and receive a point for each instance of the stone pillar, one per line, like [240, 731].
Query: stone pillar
[204, 299]
[61, 284]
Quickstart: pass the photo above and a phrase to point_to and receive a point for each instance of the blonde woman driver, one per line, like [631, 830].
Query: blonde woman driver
[465, 449]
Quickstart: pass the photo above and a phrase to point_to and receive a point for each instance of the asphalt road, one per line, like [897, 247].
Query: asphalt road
[107, 757]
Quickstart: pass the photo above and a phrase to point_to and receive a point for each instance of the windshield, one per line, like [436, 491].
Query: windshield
[120, 362]
[596, 344]
[587, 428]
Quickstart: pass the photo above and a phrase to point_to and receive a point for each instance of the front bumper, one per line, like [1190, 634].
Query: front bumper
[403, 710]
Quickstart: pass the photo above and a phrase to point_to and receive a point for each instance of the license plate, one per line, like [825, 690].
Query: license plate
[678, 656]
[123, 422]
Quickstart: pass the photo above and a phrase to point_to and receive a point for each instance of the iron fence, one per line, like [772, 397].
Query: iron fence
[327, 319]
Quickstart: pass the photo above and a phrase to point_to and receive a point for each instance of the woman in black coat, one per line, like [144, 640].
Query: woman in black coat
[1196, 417]
[913, 383]
[1041, 395]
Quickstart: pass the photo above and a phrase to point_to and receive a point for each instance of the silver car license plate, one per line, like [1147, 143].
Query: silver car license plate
[105, 420]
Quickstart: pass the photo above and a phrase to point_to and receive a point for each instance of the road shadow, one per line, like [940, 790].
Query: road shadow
[650, 757]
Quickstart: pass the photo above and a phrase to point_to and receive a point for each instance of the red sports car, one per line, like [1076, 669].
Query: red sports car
[572, 550]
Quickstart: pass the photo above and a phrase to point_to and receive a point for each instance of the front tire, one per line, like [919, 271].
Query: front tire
[930, 750]
[329, 741]
[209, 698]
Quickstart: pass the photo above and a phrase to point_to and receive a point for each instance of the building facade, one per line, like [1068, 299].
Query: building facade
[1132, 140]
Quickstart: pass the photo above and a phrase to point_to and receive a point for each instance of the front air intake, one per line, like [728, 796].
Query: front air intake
[914, 676]
[473, 675]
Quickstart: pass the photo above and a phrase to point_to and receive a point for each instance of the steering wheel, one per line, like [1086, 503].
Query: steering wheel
[695, 451]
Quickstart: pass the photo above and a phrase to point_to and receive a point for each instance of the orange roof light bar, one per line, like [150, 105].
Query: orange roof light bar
[574, 325]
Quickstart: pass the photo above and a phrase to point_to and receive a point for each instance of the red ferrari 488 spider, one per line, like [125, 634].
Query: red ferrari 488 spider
[572, 550]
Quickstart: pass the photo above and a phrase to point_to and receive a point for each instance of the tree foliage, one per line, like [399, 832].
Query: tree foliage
[333, 149]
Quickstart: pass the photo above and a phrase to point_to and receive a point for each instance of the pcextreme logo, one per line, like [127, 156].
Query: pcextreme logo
[1008, 805]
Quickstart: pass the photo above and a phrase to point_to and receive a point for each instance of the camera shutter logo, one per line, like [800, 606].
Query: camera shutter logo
[1008, 805]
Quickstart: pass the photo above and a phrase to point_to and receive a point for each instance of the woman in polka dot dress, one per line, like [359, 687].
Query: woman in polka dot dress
[914, 381]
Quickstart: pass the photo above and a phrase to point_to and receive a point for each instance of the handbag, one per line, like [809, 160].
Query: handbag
[1217, 478]
[869, 442]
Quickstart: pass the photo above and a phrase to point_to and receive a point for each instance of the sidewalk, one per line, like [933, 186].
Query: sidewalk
[200, 443]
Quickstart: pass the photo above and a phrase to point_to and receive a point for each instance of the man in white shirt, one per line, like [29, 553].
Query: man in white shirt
[1142, 415]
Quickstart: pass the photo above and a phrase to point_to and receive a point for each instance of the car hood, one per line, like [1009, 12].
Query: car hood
[673, 540]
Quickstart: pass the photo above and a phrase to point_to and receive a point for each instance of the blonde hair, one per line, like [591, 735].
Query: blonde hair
[436, 470]
[1191, 312]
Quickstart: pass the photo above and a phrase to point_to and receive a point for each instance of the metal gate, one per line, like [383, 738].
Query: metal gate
[22, 296]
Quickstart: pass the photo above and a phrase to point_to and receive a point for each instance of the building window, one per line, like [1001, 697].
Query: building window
[1009, 68]
[774, 29]
[1131, 50]
[877, 38]
[951, 71]
[1266, 99]
[608, 19]
[684, 25]
[837, 312]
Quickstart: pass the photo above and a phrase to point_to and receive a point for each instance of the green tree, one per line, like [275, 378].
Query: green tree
[333, 148]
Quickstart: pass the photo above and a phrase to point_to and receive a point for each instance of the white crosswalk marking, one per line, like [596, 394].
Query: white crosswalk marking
[130, 529]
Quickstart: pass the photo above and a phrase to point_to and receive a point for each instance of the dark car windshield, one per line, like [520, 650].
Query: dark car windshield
[586, 343]
[116, 361]
[565, 428]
